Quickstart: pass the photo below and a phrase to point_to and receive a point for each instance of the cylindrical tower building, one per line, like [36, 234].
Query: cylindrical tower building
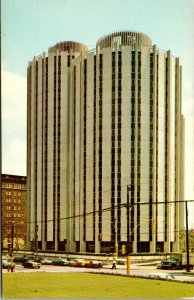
[98, 122]
[48, 146]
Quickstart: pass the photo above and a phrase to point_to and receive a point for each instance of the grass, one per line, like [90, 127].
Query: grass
[83, 285]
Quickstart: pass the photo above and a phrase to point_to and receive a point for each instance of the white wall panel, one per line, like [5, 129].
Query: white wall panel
[39, 146]
[50, 147]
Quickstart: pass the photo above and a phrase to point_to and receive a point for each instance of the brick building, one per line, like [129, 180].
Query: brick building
[13, 210]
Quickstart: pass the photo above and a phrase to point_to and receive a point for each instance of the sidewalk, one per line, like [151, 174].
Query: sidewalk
[146, 272]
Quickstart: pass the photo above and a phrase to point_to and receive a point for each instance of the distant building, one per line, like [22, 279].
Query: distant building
[13, 204]
[99, 121]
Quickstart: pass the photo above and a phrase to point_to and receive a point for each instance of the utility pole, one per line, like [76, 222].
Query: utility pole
[128, 239]
[115, 237]
[187, 237]
[36, 239]
[12, 240]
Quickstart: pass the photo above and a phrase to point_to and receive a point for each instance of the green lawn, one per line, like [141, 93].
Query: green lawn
[83, 285]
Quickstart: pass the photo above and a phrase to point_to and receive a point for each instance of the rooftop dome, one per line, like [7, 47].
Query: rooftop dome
[125, 38]
[68, 46]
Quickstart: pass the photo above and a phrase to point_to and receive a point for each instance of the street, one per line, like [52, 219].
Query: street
[140, 270]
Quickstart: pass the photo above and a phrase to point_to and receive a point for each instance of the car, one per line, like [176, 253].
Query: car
[78, 263]
[31, 264]
[61, 262]
[172, 263]
[37, 258]
[6, 263]
[46, 261]
[161, 276]
[19, 259]
[93, 264]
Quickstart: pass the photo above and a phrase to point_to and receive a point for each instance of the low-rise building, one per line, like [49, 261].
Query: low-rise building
[13, 210]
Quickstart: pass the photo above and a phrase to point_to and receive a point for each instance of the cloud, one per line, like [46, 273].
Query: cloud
[188, 99]
[189, 158]
[14, 99]
[14, 158]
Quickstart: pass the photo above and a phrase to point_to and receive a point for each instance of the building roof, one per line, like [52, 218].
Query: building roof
[68, 46]
[125, 38]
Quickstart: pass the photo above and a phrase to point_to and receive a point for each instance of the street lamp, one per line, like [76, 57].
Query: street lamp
[129, 208]
[12, 239]
[115, 236]
[128, 239]
[187, 237]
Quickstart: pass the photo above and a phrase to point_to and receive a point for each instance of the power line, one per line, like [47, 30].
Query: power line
[108, 209]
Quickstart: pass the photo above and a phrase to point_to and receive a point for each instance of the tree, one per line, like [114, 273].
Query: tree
[183, 240]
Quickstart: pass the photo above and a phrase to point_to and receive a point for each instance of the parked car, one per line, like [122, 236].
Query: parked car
[23, 258]
[31, 264]
[18, 259]
[176, 262]
[46, 261]
[93, 264]
[78, 263]
[161, 276]
[60, 262]
[6, 263]
[170, 263]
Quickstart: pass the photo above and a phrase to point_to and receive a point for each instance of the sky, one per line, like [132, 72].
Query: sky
[30, 27]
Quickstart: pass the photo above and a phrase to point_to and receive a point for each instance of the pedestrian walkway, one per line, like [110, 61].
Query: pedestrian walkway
[146, 272]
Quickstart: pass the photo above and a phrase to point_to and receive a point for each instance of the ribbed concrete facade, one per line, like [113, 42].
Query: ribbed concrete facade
[98, 122]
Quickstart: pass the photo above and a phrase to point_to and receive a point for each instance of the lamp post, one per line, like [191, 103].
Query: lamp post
[115, 237]
[187, 237]
[12, 239]
[129, 208]
[128, 239]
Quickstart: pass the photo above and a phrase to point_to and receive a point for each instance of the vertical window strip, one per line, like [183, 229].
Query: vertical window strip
[46, 149]
[74, 150]
[177, 86]
[42, 145]
[100, 143]
[85, 149]
[113, 147]
[166, 148]
[54, 152]
[157, 145]
[138, 88]
[29, 103]
[153, 65]
[133, 126]
[58, 148]
[94, 153]
[119, 126]
[152, 58]
[36, 137]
